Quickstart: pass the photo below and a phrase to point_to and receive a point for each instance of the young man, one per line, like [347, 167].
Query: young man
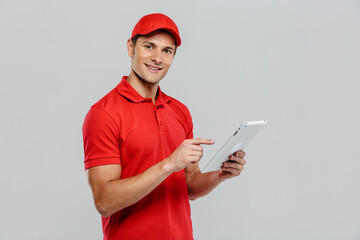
[140, 155]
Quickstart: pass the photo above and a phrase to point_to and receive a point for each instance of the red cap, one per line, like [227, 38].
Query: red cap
[156, 21]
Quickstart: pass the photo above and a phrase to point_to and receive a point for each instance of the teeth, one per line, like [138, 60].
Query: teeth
[153, 68]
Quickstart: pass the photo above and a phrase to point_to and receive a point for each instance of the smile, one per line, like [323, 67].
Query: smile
[153, 69]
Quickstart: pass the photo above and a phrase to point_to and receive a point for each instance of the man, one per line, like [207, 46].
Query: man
[140, 155]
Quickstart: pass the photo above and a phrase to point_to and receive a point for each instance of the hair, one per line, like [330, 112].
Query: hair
[135, 38]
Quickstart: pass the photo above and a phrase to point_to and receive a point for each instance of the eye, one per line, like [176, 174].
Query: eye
[148, 47]
[168, 51]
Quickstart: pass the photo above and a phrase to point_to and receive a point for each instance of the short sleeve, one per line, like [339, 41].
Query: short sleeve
[101, 139]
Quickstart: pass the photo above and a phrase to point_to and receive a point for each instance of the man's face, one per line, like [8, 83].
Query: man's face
[152, 56]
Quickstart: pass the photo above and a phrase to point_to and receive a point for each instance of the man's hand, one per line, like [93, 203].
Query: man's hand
[233, 166]
[188, 152]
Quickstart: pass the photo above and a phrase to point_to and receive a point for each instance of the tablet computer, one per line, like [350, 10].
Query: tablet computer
[238, 141]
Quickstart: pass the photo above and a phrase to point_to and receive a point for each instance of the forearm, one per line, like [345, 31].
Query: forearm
[113, 193]
[200, 184]
[121, 193]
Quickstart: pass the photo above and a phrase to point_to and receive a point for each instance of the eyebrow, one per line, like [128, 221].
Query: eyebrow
[153, 44]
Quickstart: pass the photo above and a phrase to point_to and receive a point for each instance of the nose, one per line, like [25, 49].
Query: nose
[156, 57]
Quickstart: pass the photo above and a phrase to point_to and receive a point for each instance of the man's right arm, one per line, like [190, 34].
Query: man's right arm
[112, 193]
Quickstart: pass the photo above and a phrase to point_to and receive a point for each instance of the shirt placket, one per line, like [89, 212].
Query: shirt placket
[160, 121]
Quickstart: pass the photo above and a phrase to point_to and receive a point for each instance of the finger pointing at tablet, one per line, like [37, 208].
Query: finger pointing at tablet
[199, 141]
[189, 151]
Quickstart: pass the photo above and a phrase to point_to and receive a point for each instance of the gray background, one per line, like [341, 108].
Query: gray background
[295, 63]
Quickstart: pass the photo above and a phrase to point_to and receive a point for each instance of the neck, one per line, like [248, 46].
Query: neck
[145, 89]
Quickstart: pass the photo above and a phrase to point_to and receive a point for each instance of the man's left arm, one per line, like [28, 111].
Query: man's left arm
[200, 184]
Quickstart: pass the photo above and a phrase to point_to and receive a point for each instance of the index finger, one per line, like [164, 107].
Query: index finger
[199, 141]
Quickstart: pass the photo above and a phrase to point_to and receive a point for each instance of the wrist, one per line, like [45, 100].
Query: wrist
[215, 177]
[219, 176]
[167, 166]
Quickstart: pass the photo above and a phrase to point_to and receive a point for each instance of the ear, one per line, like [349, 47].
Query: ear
[130, 48]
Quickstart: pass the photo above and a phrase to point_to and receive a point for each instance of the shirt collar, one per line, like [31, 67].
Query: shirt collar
[127, 91]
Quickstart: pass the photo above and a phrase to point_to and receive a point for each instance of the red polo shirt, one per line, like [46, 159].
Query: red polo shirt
[125, 128]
